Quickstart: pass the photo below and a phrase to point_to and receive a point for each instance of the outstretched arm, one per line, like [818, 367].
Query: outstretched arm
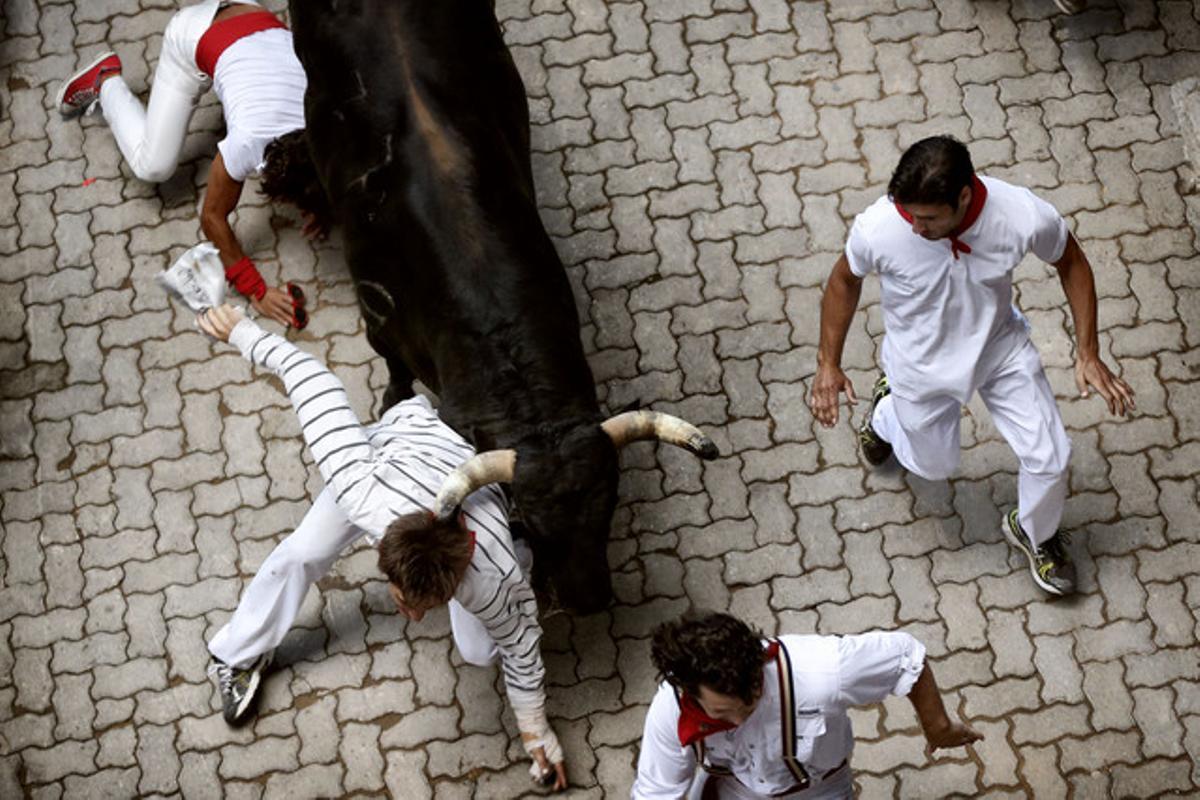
[332, 430]
[1080, 287]
[220, 199]
[495, 593]
[939, 730]
[838, 305]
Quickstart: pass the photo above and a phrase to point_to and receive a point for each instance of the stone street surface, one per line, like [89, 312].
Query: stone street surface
[698, 163]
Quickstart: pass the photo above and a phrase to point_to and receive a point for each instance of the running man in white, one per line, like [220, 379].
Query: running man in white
[245, 53]
[738, 717]
[380, 482]
[945, 242]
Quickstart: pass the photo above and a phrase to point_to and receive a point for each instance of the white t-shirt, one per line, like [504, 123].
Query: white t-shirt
[949, 323]
[261, 86]
[829, 675]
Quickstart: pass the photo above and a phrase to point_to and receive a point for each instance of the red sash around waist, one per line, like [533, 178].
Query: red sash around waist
[220, 35]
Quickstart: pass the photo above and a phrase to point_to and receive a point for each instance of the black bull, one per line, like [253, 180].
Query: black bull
[418, 126]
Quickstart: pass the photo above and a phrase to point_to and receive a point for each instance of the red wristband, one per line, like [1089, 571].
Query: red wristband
[246, 279]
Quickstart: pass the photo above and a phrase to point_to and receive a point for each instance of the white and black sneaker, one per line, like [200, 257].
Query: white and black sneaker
[1049, 563]
[239, 687]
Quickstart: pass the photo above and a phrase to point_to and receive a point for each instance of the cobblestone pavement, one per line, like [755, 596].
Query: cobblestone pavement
[697, 163]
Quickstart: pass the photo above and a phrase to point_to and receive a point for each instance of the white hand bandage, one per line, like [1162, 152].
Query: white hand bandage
[533, 724]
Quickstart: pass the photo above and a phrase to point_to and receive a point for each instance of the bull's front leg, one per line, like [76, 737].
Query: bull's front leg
[377, 309]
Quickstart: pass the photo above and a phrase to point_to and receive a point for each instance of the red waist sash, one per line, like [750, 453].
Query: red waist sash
[217, 39]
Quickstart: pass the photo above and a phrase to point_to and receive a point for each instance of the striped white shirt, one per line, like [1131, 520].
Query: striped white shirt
[396, 466]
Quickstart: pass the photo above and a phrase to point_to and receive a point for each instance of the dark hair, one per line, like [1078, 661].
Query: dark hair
[422, 556]
[710, 649]
[933, 171]
[290, 176]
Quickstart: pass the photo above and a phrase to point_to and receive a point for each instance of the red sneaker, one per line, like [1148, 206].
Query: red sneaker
[83, 88]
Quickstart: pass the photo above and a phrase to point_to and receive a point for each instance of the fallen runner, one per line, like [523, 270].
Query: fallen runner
[381, 482]
[767, 717]
[245, 53]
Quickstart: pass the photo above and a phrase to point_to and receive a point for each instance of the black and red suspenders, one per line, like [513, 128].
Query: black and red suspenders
[787, 722]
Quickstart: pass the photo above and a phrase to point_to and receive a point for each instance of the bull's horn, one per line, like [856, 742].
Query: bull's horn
[633, 426]
[494, 466]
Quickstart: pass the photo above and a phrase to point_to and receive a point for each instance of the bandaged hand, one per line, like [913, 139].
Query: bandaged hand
[219, 322]
[548, 767]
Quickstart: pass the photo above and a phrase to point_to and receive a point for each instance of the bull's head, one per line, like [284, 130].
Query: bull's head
[567, 500]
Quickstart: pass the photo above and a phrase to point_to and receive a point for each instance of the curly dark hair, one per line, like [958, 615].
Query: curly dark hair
[422, 556]
[710, 649]
[933, 171]
[290, 176]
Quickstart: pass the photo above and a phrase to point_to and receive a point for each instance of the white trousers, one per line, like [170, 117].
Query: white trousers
[924, 436]
[270, 604]
[838, 785]
[151, 139]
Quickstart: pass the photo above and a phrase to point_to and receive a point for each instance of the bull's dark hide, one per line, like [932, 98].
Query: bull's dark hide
[418, 124]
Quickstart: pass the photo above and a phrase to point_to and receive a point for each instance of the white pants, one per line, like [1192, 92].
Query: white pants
[837, 785]
[924, 436]
[270, 604]
[151, 139]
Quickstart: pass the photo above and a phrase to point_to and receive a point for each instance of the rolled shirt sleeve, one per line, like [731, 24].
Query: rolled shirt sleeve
[665, 767]
[872, 666]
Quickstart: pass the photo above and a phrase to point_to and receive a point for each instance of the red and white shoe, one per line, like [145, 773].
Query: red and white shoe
[82, 90]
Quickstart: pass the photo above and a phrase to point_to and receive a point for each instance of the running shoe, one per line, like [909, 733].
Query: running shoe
[81, 91]
[874, 448]
[1049, 563]
[239, 687]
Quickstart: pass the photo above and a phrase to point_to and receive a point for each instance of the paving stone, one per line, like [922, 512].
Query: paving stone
[1085, 753]
[937, 780]
[259, 758]
[1112, 704]
[1151, 779]
[65, 758]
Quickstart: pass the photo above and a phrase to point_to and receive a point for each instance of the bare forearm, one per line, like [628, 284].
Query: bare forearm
[218, 231]
[927, 701]
[1079, 285]
[838, 304]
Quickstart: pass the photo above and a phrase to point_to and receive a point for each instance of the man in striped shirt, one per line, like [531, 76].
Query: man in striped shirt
[380, 482]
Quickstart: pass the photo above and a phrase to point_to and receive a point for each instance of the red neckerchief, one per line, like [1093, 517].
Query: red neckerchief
[974, 209]
[694, 724]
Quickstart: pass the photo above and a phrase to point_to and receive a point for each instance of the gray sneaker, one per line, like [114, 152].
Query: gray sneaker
[1049, 563]
[239, 687]
[875, 449]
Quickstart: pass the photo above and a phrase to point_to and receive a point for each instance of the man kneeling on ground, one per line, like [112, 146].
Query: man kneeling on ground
[380, 482]
[767, 717]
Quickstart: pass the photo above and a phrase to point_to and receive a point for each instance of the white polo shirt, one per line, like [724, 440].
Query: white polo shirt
[950, 322]
[829, 674]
